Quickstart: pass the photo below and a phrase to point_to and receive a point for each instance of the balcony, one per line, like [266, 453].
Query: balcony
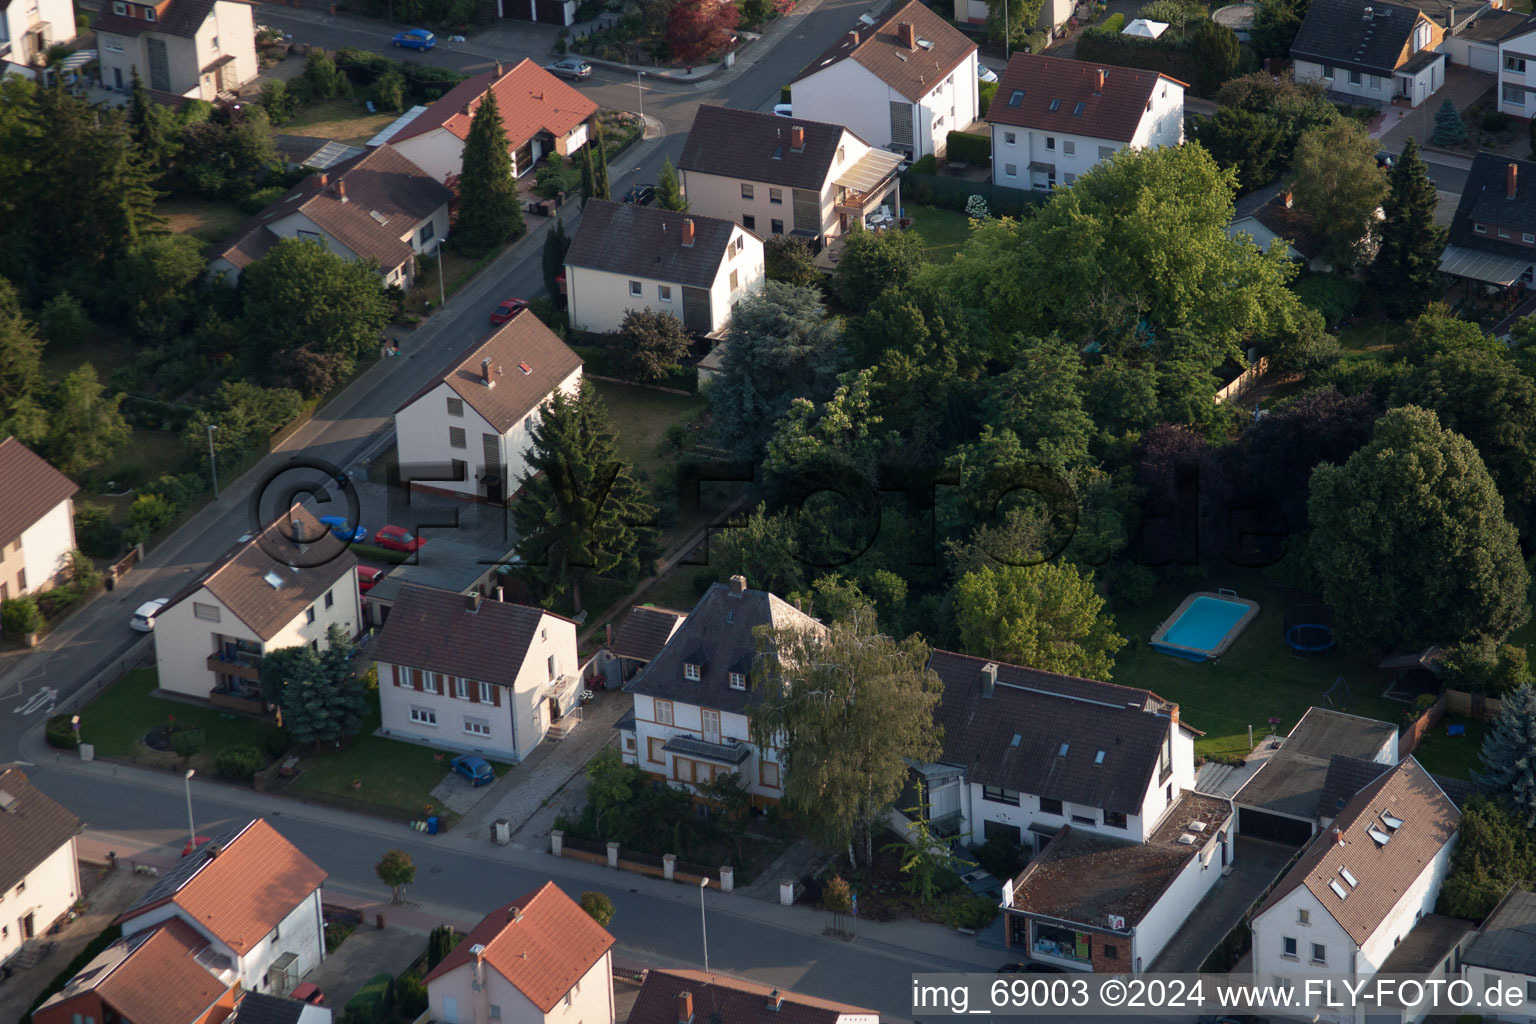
[241, 665]
[866, 184]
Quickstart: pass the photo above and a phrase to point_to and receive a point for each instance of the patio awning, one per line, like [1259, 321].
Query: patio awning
[869, 170]
[78, 59]
[1483, 266]
[1145, 29]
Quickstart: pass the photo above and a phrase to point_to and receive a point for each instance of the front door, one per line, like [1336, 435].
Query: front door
[450, 1010]
[28, 927]
[117, 77]
[711, 726]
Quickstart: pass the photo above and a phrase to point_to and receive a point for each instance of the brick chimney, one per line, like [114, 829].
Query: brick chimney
[1510, 183]
[514, 913]
[797, 139]
[738, 585]
[1287, 198]
[498, 71]
[1098, 82]
[485, 372]
[684, 1008]
[341, 189]
[907, 34]
[687, 232]
[325, 179]
[472, 601]
[853, 37]
[988, 679]
[775, 1001]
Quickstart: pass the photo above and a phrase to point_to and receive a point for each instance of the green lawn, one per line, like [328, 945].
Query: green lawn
[675, 590]
[342, 120]
[211, 220]
[944, 231]
[641, 417]
[1453, 756]
[150, 454]
[117, 720]
[1374, 338]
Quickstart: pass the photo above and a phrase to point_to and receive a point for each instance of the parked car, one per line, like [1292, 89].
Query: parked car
[367, 577]
[398, 538]
[985, 73]
[645, 195]
[415, 39]
[144, 619]
[343, 529]
[1031, 968]
[309, 993]
[1385, 160]
[570, 67]
[507, 307]
[784, 109]
[476, 769]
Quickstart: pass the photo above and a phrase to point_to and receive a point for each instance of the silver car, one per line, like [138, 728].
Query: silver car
[570, 67]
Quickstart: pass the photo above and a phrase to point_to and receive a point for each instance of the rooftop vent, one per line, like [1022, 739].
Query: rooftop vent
[988, 678]
[376, 215]
[1367, 14]
[1338, 890]
[926, 44]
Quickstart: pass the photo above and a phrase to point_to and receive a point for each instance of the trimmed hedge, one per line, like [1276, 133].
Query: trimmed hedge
[964, 147]
[239, 764]
[984, 95]
[1168, 56]
[1112, 26]
[109, 935]
[372, 1002]
[60, 733]
[20, 616]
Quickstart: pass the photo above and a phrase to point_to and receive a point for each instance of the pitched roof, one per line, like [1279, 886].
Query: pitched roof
[32, 489]
[269, 579]
[718, 998]
[627, 238]
[937, 49]
[1014, 739]
[367, 203]
[177, 18]
[238, 886]
[262, 1008]
[645, 631]
[718, 636]
[529, 99]
[1056, 94]
[741, 144]
[1383, 871]
[1345, 777]
[542, 942]
[523, 341]
[1292, 224]
[165, 974]
[32, 828]
[1485, 200]
[1293, 779]
[435, 630]
[1507, 940]
[1426, 945]
[1354, 34]
[1495, 26]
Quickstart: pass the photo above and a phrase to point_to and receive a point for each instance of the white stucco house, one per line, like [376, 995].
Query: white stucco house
[538, 960]
[39, 874]
[1053, 13]
[1503, 953]
[1378, 51]
[466, 673]
[282, 587]
[903, 83]
[28, 28]
[1054, 119]
[37, 521]
[465, 433]
[630, 257]
[1475, 44]
[1517, 73]
[194, 49]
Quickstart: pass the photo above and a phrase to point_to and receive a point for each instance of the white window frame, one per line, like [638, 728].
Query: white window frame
[429, 682]
[423, 716]
[636, 290]
[664, 292]
[1511, 63]
[460, 688]
[738, 681]
[476, 726]
[1010, 170]
[658, 707]
[691, 672]
[486, 696]
[1009, 138]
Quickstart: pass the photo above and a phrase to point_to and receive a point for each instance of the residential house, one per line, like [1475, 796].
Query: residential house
[1503, 953]
[1433, 947]
[1349, 775]
[375, 206]
[260, 1008]
[903, 83]
[37, 521]
[39, 876]
[491, 394]
[195, 49]
[466, 673]
[1517, 85]
[28, 28]
[1271, 215]
[281, 587]
[1282, 801]
[538, 960]
[1054, 14]
[252, 897]
[541, 116]
[1475, 42]
[631, 257]
[640, 637]
[1377, 51]
[1362, 885]
[1055, 119]
[452, 566]
[694, 997]
[805, 178]
[1493, 233]
[693, 703]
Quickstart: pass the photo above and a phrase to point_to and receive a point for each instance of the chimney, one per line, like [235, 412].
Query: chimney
[1098, 82]
[1287, 198]
[797, 138]
[738, 584]
[685, 1008]
[472, 601]
[325, 179]
[485, 372]
[1338, 837]
[687, 232]
[1173, 714]
[298, 531]
[1510, 174]
[775, 1000]
[498, 71]
[213, 851]
[906, 34]
[853, 37]
[341, 189]
[514, 913]
[608, 635]
[988, 679]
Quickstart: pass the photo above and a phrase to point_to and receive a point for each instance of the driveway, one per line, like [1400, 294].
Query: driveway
[1464, 87]
[1257, 864]
[366, 952]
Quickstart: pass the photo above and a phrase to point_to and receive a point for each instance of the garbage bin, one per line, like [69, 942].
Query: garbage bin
[501, 832]
[432, 825]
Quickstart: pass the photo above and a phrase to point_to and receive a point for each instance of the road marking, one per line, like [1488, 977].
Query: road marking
[40, 701]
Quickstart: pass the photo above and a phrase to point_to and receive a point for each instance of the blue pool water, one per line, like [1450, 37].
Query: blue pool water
[1205, 623]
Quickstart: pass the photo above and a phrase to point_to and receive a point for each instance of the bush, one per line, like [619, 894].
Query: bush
[598, 907]
[98, 537]
[148, 514]
[411, 996]
[927, 165]
[238, 764]
[1112, 26]
[1002, 858]
[279, 103]
[20, 616]
[984, 94]
[1333, 296]
[187, 743]
[371, 1004]
[261, 199]
[1495, 121]
[64, 320]
[60, 733]
[973, 912]
[971, 149]
[274, 741]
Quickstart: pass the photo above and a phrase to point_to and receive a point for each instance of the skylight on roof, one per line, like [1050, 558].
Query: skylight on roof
[1017, 98]
[274, 579]
[1379, 836]
[1055, 105]
[1077, 111]
[1338, 890]
[1391, 820]
[1017, 739]
[778, 152]
[1098, 758]
[1349, 877]
[1063, 751]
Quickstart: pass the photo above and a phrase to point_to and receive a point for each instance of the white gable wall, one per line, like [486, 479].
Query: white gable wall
[1172, 909]
[183, 643]
[862, 102]
[687, 720]
[439, 152]
[46, 892]
[46, 544]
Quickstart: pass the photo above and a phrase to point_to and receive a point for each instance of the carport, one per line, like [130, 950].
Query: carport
[1271, 827]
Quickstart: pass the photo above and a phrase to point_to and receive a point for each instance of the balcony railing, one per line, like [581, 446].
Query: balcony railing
[242, 665]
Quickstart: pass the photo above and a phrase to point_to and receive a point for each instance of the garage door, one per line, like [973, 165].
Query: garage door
[1276, 828]
[1483, 58]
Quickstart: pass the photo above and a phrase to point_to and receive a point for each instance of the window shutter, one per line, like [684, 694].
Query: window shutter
[495, 696]
[472, 687]
[416, 678]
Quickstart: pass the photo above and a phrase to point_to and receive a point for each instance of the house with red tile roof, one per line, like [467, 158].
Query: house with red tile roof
[696, 997]
[39, 875]
[37, 521]
[538, 960]
[251, 899]
[1054, 119]
[540, 113]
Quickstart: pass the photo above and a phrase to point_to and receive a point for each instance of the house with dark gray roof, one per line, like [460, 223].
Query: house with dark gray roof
[1493, 233]
[628, 257]
[194, 49]
[1503, 951]
[1370, 50]
[37, 857]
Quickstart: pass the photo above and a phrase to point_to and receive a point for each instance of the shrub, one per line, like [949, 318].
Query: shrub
[148, 514]
[984, 94]
[927, 165]
[971, 149]
[1111, 26]
[64, 320]
[598, 907]
[20, 616]
[784, 94]
[98, 537]
[371, 1004]
[440, 942]
[238, 764]
[1333, 296]
[187, 743]
[261, 199]
[389, 90]
[274, 741]
[973, 912]
[279, 102]
[1002, 857]
[1495, 121]
[411, 996]
[60, 733]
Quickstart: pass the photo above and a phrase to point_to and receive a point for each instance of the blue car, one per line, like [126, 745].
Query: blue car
[416, 39]
[343, 529]
[476, 769]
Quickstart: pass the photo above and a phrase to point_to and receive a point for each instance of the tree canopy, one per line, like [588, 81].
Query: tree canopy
[1508, 754]
[1340, 187]
[1407, 263]
[490, 213]
[1046, 616]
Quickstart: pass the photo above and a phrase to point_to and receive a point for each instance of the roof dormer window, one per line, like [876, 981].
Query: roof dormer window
[691, 672]
[738, 681]
[149, 14]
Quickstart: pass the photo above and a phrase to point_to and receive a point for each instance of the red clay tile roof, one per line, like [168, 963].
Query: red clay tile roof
[33, 830]
[913, 71]
[161, 981]
[240, 890]
[717, 997]
[645, 631]
[1032, 84]
[549, 945]
[31, 489]
[530, 100]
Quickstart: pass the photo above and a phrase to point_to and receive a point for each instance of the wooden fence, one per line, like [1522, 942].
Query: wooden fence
[1414, 732]
[1473, 705]
[1245, 380]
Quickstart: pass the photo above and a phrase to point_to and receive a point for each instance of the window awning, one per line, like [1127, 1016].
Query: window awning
[1036, 165]
[1459, 261]
[869, 170]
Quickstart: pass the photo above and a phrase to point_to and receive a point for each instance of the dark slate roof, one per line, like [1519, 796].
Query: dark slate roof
[910, 71]
[644, 632]
[33, 488]
[1291, 224]
[741, 143]
[1292, 780]
[1044, 94]
[1459, 790]
[647, 241]
[1426, 945]
[1338, 32]
[1346, 777]
[435, 630]
[718, 632]
[1507, 940]
[1485, 200]
[179, 18]
[31, 829]
[1013, 739]
[261, 1008]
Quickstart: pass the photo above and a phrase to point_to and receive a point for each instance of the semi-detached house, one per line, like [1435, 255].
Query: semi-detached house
[193, 49]
[28, 28]
[39, 872]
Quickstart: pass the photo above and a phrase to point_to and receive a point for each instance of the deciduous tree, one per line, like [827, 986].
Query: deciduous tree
[649, 343]
[789, 260]
[396, 870]
[760, 546]
[872, 263]
[1046, 616]
[489, 212]
[1013, 20]
[1509, 755]
[1339, 186]
[1407, 265]
[85, 427]
[598, 907]
[699, 29]
[21, 355]
[1494, 853]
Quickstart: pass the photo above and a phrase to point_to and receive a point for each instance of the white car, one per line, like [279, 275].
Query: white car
[144, 619]
[986, 74]
[784, 109]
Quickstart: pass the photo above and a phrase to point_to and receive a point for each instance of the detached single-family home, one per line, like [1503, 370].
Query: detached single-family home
[37, 521]
[1362, 885]
[28, 28]
[39, 875]
[466, 433]
[1516, 68]
[1503, 953]
[1493, 233]
[693, 703]
[463, 672]
[1270, 215]
[778, 175]
[252, 897]
[376, 206]
[1053, 14]
[631, 257]
[197, 49]
[903, 83]
[540, 113]
[694, 997]
[1054, 119]
[281, 587]
[538, 960]
[1377, 50]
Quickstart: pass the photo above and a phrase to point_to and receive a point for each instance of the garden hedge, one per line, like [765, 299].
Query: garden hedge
[60, 733]
[964, 147]
[372, 1002]
[1168, 56]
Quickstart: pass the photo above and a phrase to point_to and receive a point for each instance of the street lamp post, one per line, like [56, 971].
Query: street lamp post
[640, 92]
[191, 829]
[213, 467]
[442, 293]
[704, 925]
[1006, 32]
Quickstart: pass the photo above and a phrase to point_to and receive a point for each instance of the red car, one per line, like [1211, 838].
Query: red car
[309, 993]
[367, 576]
[186, 851]
[509, 307]
[398, 538]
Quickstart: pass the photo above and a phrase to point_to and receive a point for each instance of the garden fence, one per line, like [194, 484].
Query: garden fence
[1245, 380]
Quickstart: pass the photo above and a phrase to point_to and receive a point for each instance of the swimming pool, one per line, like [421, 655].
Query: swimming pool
[1205, 625]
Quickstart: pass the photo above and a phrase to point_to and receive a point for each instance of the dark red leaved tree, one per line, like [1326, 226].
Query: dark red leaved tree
[699, 29]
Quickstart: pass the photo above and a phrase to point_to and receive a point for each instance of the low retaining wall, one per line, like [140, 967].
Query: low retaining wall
[671, 869]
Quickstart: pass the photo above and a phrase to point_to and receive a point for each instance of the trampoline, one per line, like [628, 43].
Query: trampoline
[1309, 629]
